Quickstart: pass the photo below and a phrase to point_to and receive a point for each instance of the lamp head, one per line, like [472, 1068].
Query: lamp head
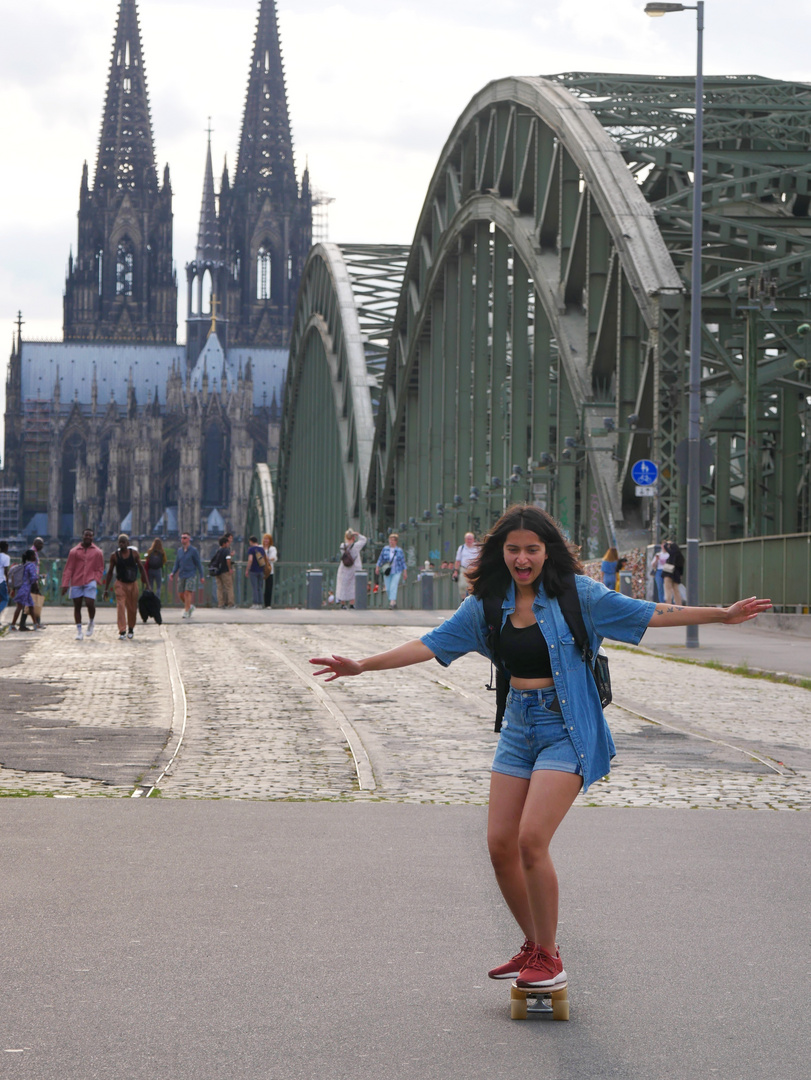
[656, 10]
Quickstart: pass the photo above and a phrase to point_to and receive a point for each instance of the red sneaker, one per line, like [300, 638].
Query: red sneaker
[542, 971]
[511, 969]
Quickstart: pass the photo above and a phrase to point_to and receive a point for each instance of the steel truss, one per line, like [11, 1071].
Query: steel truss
[542, 304]
[756, 270]
[338, 349]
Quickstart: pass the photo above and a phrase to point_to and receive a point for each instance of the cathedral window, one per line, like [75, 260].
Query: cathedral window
[208, 290]
[215, 457]
[124, 269]
[263, 273]
[100, 269]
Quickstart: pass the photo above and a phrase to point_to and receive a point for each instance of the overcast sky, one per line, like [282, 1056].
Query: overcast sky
[374, 88]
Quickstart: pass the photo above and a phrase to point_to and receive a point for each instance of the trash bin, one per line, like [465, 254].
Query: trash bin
[315, 580]
[427, 590]
[361, 590]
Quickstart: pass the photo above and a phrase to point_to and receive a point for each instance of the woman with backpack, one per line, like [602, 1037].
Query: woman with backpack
[554, 739]
[155, 560]
[22, 595]
[349, 562]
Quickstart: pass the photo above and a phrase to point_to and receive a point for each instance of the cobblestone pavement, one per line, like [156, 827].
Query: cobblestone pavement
[256, 729]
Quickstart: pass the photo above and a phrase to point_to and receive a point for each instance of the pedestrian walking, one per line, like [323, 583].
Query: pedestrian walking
[125, 563]
[658, 561]
[554, 739]
[83, 571]
[5, 563]
[155, 560]
[391, 566]
[466, 555]
[272, 556]
[349, 562]
[608, 568]
[672, 571]
[220, 569]
[256, 570]
[189, 570]
[22, 595]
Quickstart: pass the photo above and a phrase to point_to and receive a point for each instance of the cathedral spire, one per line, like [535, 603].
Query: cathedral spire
[265, 160]
[126, 158]
[209, 248]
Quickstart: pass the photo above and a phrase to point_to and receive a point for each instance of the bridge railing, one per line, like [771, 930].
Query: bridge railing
[51, 572]
[289, 588]
[777, 567]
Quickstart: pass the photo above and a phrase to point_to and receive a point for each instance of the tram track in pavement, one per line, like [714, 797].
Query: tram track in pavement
[360, 757]
[180, 715]
[333, 707]
[364, 771]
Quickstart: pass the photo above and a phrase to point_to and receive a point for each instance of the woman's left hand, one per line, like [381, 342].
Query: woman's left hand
[745, 610]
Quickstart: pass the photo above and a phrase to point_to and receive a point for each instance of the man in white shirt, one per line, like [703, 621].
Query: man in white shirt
[467, 554]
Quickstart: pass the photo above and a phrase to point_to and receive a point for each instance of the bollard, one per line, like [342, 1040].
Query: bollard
[361, 586]
[314, 589]
[626, 583]
[427, 585]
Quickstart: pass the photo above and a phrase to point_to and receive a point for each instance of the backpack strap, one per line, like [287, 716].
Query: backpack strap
[572, 612]
[492, 615]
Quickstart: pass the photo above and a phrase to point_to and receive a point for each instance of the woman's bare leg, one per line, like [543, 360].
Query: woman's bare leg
[547, 802]
[507, 797]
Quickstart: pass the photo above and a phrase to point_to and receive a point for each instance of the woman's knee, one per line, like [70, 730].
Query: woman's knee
[503, 848]
[532, 844]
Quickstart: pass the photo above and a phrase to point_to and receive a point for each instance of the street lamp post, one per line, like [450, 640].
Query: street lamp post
[694, 387]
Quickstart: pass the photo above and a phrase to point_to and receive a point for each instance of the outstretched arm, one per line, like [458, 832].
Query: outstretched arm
[742, 611]
[413, 652]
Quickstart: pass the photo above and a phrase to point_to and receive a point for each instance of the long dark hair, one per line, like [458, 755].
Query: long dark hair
[490, 577]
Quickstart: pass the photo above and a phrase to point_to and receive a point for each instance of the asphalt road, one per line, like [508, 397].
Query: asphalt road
[227, 940]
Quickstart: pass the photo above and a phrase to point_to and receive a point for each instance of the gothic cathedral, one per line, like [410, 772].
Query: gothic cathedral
[118, 427]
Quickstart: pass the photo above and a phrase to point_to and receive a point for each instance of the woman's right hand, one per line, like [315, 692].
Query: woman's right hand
[336, 667]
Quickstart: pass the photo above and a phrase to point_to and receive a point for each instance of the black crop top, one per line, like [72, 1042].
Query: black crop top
[524, 651]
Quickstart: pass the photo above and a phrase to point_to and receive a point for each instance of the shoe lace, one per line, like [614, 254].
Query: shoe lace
[541, 960]
[526, 951]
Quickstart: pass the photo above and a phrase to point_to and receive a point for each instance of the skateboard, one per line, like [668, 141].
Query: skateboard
[552, 1005]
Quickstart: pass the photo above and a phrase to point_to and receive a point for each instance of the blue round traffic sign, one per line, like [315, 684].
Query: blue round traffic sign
[644, 472]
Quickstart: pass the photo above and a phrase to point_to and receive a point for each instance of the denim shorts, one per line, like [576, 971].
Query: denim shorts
[89, 591]
[534, 736]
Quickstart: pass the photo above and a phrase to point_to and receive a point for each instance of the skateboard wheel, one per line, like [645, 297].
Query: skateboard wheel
[560, 1007]
[518, 1008]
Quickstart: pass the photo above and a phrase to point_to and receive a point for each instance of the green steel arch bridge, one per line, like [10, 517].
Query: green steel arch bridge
[532, 342]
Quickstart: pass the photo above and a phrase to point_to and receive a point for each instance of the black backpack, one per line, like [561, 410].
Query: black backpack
[573, 614]
[216, 565]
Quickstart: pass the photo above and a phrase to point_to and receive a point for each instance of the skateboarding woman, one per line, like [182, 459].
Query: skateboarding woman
[554, 739]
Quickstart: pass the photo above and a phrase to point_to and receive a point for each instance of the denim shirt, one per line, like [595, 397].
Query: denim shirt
[187, 563]
[396, 556]
[606, 613]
